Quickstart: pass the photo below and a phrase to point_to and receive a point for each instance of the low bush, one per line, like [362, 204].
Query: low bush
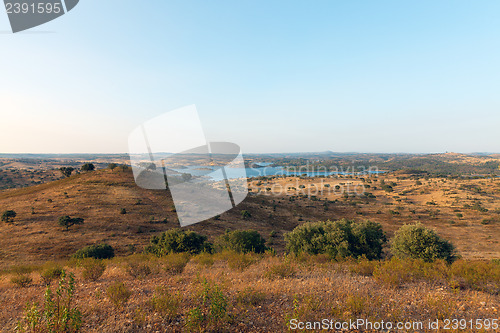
[165, 303]
[241, 241]
[51, 272]
[204, 259]
[177, 241]
[240, 261]
[175, 263]
[92, 269]
[138, 270]
[476, 275]
[396, 272]
[118, 294]
[21, 280]
[417, 242]
[281, 270]
[99, 251]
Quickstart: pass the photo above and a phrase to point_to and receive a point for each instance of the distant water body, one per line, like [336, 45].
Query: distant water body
[265, 170]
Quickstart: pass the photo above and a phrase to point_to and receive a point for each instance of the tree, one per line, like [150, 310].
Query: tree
[8, 216]
[418, 242]
[112, 166]
[343, 238]
[88, 167]
[177, 241]
[241, 241]
[66, 171]
[67, 222]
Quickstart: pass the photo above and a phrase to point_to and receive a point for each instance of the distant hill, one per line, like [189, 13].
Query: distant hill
[98, 197]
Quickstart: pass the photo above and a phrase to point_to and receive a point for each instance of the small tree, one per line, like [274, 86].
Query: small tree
[418, 242]
[8, 216]
[66, 171]
[245, 214]
[88, 167]
[112, 166]
[66, 221]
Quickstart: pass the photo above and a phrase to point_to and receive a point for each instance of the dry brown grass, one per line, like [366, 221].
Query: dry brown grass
[118, 302]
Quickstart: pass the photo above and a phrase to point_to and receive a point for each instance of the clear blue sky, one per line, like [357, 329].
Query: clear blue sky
[272, 76]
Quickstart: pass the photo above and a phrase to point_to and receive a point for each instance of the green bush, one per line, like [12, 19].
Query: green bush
[417, 242]
[343, 238]
[241, 241]
[99, 251]
[177, 241]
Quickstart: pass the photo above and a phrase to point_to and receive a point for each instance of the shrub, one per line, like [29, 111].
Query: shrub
[177, 241]
[123, 211]
[363, 267]
[204, 259]
[388, 188]
[118, 294]
[343, 238]
[8, 216]
[138, 270]
[282, 270]
[58, 313]
[99, 251]
[165, 303]
[51, 272]
[240, 261]
[245, 214]
[174, 263]
[477, 275]
[396, 271]
[241, 241]
[417, 242]
[92, 269]
[21, 280]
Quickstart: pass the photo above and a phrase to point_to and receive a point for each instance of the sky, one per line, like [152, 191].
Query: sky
[271, 76]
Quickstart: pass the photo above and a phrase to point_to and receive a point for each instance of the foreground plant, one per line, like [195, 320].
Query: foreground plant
[57, 314]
